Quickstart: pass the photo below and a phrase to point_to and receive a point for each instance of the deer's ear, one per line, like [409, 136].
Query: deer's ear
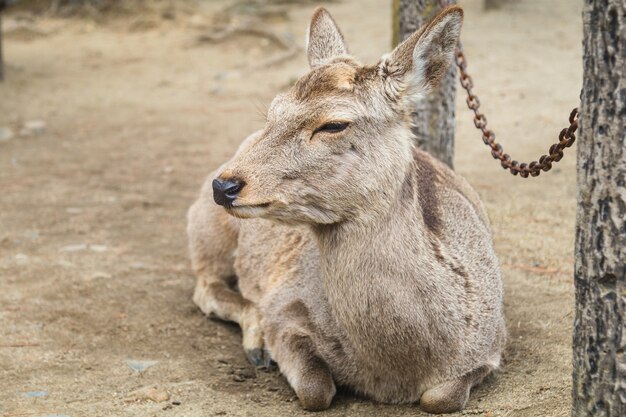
[421, 61]
[324, 40]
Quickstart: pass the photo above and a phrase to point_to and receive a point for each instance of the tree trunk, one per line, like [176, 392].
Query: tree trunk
[433, 117]
[599, 378]
[1, 57]
[493, 4]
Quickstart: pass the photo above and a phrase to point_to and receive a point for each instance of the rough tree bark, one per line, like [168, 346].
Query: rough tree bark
[1, 57]
[493, 4]
[599, 385]
[433, 117]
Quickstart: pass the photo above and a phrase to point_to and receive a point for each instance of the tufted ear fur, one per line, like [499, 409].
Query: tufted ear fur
[419, 63]
[324, 40]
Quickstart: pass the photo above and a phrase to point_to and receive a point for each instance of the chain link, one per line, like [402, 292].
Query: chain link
[555, 153]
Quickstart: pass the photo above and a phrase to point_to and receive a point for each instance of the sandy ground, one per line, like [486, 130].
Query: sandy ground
[93, 263]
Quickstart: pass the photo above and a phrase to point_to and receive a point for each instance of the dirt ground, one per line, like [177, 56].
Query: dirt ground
[93, 263]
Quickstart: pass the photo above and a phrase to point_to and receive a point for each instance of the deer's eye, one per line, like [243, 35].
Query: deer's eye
[332, 127]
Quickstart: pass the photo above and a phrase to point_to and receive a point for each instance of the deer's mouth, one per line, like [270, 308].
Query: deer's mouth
[246, 211]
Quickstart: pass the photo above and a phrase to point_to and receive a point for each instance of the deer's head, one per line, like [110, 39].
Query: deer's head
[339, 139]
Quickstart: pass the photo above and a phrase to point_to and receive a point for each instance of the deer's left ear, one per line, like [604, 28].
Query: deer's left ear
[421, 61]
[324, 40]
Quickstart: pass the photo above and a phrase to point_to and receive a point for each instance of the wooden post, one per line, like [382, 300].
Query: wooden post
[433, 117]
[599, 377]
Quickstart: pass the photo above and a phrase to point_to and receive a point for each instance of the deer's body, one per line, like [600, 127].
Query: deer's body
[373, 267]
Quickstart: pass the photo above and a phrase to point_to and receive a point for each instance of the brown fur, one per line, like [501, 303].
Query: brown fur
[333, 80]
[324, 39]
[362, 262]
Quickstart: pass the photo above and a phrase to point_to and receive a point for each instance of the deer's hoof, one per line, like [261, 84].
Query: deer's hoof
[261, 358]
[255, 356]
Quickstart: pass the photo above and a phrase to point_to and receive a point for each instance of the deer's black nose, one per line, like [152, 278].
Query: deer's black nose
[225, 191]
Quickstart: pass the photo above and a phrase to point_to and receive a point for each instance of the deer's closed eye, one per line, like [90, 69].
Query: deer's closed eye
[332, 127]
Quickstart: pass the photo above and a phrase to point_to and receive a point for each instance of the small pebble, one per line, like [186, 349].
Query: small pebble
[140, 366]
[98, 248]
[6, 134]
[36, 394]
[246, 373]
[21, 259]
[156, 393]
[100, 275]
[74, 248]
[34, 127]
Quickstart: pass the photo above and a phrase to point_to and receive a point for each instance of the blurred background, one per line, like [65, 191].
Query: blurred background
[113, 112]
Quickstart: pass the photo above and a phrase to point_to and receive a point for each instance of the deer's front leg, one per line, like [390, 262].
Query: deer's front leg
[212, 243]
[289, 338]
[216, 298]
[307, 373]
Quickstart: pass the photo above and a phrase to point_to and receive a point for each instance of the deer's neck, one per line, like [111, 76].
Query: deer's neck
[366, 271]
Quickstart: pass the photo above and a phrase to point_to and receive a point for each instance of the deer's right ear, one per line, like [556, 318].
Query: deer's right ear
[324, 40]
[418, 64]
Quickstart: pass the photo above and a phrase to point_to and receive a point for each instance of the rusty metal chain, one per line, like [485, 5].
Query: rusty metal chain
[555, 153]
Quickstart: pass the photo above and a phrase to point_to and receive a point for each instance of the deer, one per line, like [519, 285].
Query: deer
[347, 256]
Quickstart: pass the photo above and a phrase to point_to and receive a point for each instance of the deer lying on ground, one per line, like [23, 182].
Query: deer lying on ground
[364, 262]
